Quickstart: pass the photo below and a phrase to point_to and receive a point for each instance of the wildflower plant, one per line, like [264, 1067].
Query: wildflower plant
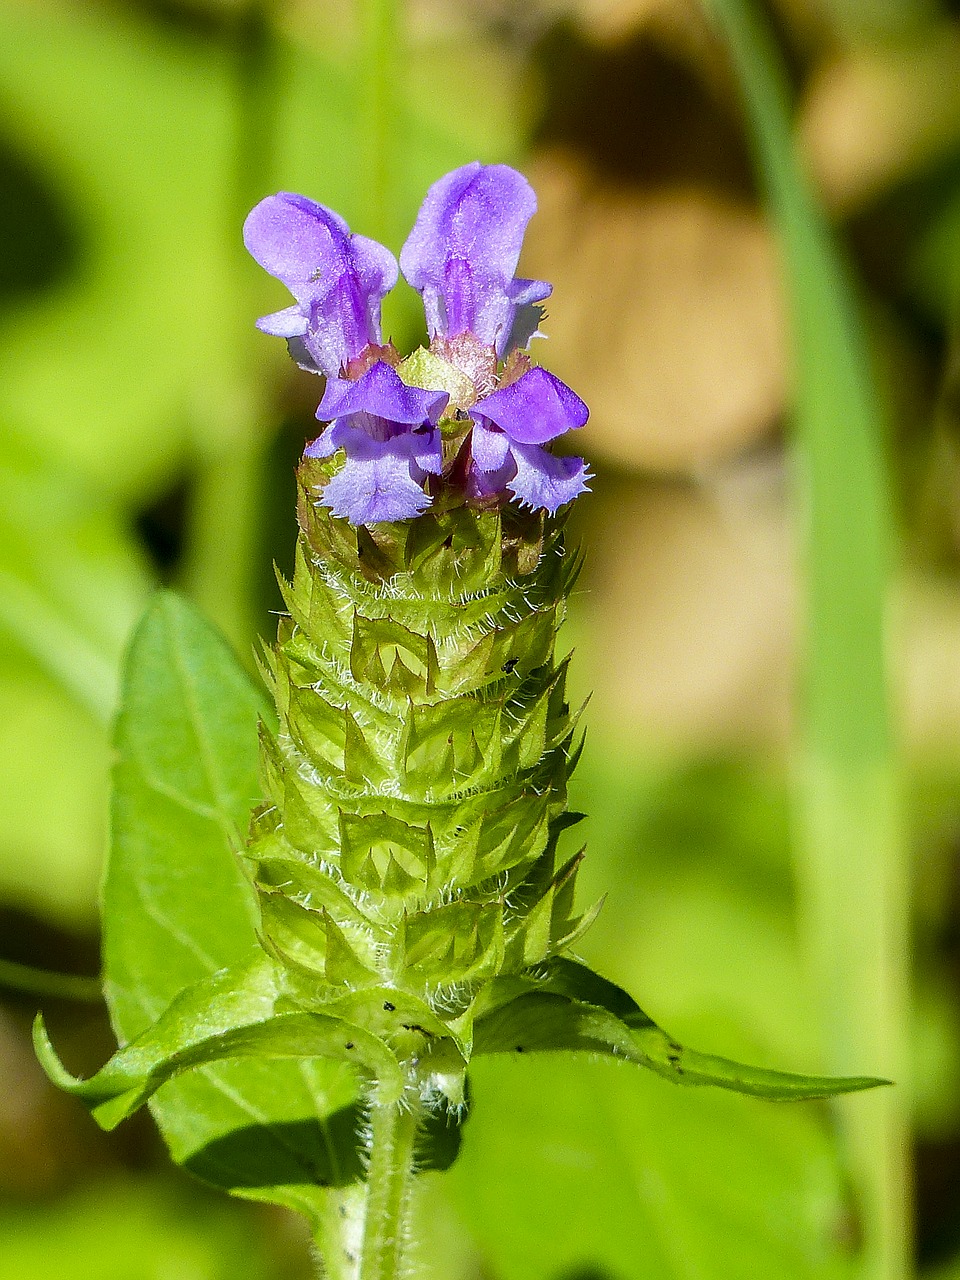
[406, 902]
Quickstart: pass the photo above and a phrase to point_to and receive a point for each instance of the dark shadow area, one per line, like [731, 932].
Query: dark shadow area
[203, 23]
[585, 1273]
[637, 113]
[937, 1160]
[162, 527]
[29, 939]
[438, 1143]
[40, 244]
[883, 235]
[325, 1153]
[937, 1195]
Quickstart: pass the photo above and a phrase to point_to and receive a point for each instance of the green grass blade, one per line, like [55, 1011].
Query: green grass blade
[850, 855]
[45, 983]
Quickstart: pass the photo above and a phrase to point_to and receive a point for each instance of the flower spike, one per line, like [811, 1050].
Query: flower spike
[406, 902]
[463, 252]
[338, 280]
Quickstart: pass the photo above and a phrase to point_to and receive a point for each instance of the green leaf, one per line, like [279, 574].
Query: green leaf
[71, 587]
[230, 1015]
[551, 1018]
[574, 1167]
[177, 908]
[131, 1228]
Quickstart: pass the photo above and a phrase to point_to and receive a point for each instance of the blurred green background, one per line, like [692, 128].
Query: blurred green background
[148, 435]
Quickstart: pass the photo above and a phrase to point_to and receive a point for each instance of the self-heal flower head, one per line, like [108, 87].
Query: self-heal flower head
[462, 255]
[338, 280]
[511, 425]
[392, 443]
[499, 413]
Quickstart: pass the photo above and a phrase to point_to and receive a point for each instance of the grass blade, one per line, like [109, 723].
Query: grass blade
[850, 851]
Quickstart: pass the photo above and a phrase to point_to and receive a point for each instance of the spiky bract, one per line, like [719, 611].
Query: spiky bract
[417, 785]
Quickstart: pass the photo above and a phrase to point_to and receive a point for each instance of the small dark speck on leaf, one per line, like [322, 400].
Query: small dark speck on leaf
[348, 1045]
[509, 665]
[519, 1048]
[388, 1007]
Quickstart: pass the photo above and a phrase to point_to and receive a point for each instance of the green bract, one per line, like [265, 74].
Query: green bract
[417, 784]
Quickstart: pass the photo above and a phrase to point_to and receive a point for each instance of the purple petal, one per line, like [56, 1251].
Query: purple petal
[381, 393]
[544, 480]
[375, 483]
[526, 296]
[463, 252]
[338, 435]
[338, 279]
[524, 292]
[288, 323]
[486, 484]
[536, 408]
[489, 449]
[291, 237]
[426, 451]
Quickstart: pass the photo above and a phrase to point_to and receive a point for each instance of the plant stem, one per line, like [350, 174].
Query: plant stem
[42, 982]
[393, 1131]
[338, 1232]
[363, 1230]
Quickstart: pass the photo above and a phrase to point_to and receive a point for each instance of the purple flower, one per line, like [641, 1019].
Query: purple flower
[510, 427]
[389, 434]
[462, 254]
[337, 279]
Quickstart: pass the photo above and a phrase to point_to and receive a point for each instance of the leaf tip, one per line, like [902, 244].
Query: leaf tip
[48, 1059]
[859, 1084]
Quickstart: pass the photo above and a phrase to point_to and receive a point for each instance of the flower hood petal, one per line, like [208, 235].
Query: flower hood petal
[463, 251]
[338, 279]
[536, 408]
[382, 393]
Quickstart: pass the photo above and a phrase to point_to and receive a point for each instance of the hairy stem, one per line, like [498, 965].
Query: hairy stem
[393, 1131]
[338, 1232]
